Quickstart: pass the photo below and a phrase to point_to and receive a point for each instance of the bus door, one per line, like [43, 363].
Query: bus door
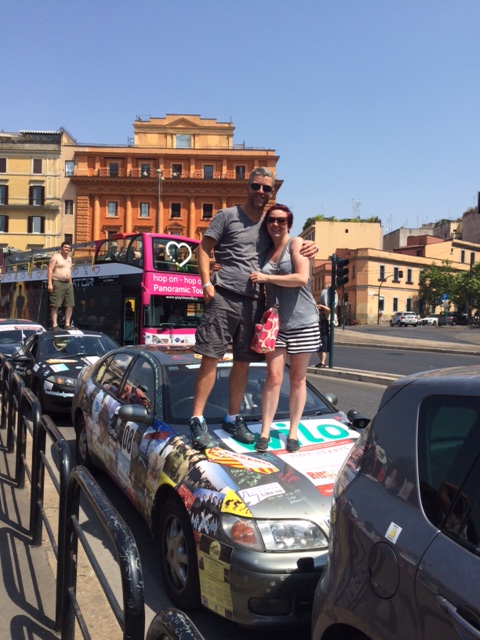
[131, 308]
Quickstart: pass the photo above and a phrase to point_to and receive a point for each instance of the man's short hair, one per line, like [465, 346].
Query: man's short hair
[263, 172]
[69, 244]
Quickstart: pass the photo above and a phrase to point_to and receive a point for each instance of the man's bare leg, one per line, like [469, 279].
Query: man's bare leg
[54, 314]
[204, 383]
[237, 383]
[68, 316]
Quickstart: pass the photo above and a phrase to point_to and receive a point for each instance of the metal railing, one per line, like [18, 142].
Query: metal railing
[20, 416]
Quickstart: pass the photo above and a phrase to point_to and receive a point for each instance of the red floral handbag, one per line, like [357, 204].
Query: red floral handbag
[266, 332]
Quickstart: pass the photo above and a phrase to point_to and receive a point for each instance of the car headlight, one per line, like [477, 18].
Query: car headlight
[65, 381]
[273, 535]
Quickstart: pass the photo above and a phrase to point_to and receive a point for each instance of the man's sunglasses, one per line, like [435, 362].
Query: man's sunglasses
[255, 186]
[281, 221]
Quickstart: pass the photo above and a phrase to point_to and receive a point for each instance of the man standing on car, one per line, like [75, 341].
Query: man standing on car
[233, 302]
[60, 286]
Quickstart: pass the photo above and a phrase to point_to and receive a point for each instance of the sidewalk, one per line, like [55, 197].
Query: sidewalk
[461, 340]
[27, 584]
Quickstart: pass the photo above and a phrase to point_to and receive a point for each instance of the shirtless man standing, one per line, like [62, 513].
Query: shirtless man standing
[60, 286]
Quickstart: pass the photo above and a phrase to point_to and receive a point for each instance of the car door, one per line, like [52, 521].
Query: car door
[448, 574]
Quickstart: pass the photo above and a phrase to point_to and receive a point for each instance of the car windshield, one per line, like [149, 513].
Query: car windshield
[179, 395]
[67, 346]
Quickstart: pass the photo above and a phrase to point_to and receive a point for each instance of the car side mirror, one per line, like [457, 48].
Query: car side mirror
[135, 413]
[357, 420]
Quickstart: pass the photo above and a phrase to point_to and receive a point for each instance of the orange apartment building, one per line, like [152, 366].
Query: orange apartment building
[176, 173]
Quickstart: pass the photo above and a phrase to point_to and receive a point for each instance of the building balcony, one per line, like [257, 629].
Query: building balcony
[121, 173]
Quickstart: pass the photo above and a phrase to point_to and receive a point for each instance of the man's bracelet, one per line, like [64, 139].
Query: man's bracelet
[207, 284]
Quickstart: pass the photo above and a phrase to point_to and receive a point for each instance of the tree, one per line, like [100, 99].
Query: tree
[467, 288]
[436, 280]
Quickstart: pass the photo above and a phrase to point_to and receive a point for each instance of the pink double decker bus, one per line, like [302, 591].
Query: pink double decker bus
[136, 288]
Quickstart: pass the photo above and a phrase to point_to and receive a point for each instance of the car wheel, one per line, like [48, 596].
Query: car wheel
[178, 555]
[81, 444]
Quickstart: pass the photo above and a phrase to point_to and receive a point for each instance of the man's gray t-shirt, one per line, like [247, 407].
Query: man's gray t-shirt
[242, 246]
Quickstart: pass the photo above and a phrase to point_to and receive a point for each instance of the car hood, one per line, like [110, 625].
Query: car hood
[65, 366]
[274, 484]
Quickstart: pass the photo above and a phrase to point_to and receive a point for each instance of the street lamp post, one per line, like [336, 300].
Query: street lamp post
[399, 275]
[159, 198]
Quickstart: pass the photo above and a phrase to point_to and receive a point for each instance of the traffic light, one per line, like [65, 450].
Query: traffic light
[342, 271]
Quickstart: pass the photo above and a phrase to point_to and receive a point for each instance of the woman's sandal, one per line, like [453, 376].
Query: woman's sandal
[262, 444]
[292, 445]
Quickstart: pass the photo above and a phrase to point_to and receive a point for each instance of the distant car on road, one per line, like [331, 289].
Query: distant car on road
[431, 319]
[49, 362]
[404, 556]
[452, 318]
[404, 319]
[14, 331]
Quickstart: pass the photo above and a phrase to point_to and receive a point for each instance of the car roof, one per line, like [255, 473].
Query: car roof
[171, 354]
[74, 333]
[6, 323]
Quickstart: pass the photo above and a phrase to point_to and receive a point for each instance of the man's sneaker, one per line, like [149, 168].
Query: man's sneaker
[239, 430]
[200, 435]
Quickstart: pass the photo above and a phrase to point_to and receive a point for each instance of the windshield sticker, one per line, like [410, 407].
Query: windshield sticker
[233, 504]
[57, 367]
[254, 495]
[231, 459]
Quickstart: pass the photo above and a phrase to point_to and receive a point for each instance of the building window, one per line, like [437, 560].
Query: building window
[353, 272]
[176, 170]
[69, 207]
[36, 224]
[145, 170]
[472, 259]
[240, 173]
[69, 238]
[462, 257]
[409, 305]
[208, 171]
[144, 209]
[409, 277]
[207, 211]
[3, 165]
[113, 169]
[3, 194]
[36, 196]
[69, 168]
[395, 305]
[37, 165]
[4, 224]
[381, 275]
[176, 210]
[397, 274]
[381, 304]
[112, 210]
[182, 141]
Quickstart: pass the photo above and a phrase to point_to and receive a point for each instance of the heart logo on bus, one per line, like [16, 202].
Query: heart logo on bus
[178, 245]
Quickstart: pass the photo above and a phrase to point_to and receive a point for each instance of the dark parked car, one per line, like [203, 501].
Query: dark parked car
[404, 555]
[237, 530]
[452, 318]
[49, 362]
[14, 331]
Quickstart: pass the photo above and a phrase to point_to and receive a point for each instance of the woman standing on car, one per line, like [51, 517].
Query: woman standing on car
[287, 279]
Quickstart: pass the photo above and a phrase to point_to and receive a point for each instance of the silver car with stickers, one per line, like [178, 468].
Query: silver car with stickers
[245, 534]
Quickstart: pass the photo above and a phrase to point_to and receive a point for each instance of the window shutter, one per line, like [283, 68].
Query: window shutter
[43, 197]
[30, 223]
[6, 224]
[42, 225]
[6, 194]
[30, 196]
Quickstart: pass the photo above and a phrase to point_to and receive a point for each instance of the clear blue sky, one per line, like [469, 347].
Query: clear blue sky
[372, 105]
